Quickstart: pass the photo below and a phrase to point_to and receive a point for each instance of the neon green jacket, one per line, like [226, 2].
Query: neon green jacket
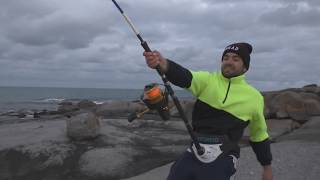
[234, 96]
[225, 107]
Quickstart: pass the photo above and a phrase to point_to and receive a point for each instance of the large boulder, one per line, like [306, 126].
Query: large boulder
[290, 104]
[83, 126]
[268, 96]
[309, 95]
[276, 128]
[278, 105]
[118, 108]
[312, 88]
[296, 103]
[86, 104]
[66, 106]
[313, 107]
[297, 112]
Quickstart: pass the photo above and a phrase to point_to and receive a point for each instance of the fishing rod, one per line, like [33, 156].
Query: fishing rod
[167, 85]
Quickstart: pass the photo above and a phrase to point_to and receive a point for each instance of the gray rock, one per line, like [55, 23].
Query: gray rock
[280, 102]
[312, 88]
[86, 104]
[282, 114]
[41, 150]
[83, 126]
[118, 108]
[66, 106]
[297, 113]
[292, 160]
[187, 106]
[297, 105]
[312, 107]
[276, 128]
[309, 96]
[103, 162]
[159, 173]
[309, 132]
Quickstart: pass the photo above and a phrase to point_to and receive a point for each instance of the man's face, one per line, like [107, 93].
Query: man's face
[232, 65]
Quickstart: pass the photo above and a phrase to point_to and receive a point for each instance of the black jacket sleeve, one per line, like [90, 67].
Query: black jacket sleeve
[263, 151]
[178, 75]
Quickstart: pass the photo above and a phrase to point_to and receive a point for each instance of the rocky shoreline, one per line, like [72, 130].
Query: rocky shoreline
[92, 141]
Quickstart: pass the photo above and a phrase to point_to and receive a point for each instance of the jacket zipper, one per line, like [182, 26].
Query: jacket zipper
[225, 98]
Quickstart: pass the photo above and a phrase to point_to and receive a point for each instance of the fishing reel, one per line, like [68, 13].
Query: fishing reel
[155, 99]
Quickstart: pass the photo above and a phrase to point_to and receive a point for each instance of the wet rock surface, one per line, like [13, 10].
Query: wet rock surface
[42, 150]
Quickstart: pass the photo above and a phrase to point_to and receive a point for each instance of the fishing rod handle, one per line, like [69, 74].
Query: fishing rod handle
[145, 46]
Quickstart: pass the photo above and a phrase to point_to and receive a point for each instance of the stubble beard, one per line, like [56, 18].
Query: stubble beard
[229, 71]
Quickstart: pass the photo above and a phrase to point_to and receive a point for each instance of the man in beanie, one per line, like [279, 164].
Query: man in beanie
[226, 104]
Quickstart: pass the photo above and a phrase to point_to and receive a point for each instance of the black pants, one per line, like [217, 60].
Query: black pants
[188, 167]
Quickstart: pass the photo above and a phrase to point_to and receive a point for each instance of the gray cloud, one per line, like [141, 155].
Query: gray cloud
[88, 44]
[39, 26]
[309, 2]
[293, 15]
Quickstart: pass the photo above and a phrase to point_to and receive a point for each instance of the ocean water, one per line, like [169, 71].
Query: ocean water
[40, 98]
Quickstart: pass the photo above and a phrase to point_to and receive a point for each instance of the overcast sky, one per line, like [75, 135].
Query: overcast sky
[87, 43]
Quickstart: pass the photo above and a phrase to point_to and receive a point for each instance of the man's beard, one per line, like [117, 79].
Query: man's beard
[229, 71]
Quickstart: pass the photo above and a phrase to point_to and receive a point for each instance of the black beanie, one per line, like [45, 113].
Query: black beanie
[242, 49]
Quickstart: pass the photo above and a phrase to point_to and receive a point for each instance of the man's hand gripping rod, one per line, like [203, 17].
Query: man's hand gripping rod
[145, 46]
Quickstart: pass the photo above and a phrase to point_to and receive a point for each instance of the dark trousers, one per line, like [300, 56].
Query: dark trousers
[188, 167]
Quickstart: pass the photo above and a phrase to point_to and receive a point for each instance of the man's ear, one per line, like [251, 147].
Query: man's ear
[244, 70]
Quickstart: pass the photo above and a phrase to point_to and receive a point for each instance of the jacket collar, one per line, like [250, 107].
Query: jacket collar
[237, 79]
